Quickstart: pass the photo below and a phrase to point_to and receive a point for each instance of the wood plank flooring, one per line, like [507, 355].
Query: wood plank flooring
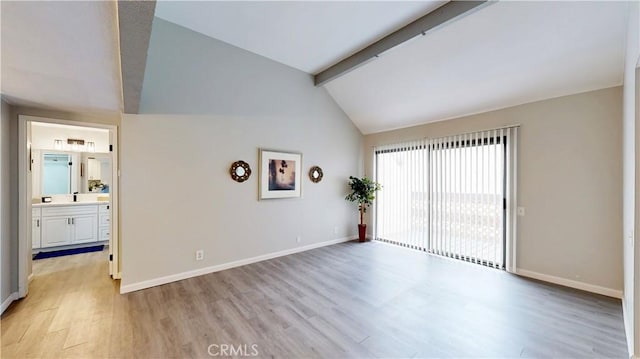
[346, 300]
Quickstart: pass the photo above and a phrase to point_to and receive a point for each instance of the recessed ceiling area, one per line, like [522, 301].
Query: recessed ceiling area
[61, 55]
[307, 35]
[503, 55]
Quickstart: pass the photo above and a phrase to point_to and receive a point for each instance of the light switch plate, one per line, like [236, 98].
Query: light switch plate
[520, 211]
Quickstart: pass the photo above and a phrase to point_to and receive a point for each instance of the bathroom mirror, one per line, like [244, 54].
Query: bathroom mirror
[98, 173]
[315, 174]
[63, 172]
[56, 173]
[240, 171]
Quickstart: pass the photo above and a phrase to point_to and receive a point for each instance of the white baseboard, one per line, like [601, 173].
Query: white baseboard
[30, 278]
[216, 268]
[13, 296]
[570, 283]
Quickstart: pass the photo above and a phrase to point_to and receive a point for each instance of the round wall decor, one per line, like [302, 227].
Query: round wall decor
[240, 171]
[315, 174]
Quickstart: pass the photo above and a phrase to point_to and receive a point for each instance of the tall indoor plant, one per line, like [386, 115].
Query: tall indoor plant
[363, 191]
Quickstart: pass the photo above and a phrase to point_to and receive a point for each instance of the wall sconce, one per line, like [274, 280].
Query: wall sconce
[91, 146]
[57, 144]
[76, 144]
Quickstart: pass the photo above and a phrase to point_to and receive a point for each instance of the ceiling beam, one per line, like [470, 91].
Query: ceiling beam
[135, 20]
[445, 13]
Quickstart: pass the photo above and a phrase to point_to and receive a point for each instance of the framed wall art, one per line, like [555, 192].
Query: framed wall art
[280, 174]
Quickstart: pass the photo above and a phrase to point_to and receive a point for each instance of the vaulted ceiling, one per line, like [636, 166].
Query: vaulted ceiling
[504, 54]
[65, 54]
[306, 35]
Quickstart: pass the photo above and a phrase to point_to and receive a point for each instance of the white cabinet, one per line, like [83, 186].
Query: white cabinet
[56, 231]
[36, 225]
[84, 228]
[65, 225]
[94, 169]
[104, 222]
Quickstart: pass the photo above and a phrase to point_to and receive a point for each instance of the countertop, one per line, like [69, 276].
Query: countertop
[59, 204]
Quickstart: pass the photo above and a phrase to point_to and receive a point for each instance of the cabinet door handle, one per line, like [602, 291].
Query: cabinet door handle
[37, 223]
[68, 220]
[73, 221]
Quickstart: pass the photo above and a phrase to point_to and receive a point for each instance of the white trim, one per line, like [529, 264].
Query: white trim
[570, 283]
[627, 329]
[13, 296]
[512, 258]
[24, 193]
[24, 208]
[216, 268]
[114, 208]
[30, 278]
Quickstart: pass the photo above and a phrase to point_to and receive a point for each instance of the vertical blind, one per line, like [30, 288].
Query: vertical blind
[452, 196]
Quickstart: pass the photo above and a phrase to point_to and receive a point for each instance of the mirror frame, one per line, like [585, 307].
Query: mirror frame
[233, 171]
[320, 174]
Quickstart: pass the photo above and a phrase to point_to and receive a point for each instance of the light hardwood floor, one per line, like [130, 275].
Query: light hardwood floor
[346, 300]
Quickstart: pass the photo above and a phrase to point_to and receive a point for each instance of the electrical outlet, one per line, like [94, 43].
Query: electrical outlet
[520, 211]
[199, 255]
[298, 239]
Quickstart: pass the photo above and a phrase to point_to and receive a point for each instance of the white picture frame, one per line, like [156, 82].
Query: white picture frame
[280, 174]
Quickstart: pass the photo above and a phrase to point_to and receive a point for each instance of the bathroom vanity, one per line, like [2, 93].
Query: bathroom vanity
[72, 223]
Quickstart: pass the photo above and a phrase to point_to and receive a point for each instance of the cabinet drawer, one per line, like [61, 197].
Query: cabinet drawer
[103, 208]
[70, 210]
[35, 213]
[105, 234]
[105, 220]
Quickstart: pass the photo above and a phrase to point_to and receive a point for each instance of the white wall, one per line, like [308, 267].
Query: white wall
[570, 176]
[630, 188]
[207, 104]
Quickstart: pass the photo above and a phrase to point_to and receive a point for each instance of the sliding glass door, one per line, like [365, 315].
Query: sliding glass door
[402, 207]
[447, 196]
[467, 207]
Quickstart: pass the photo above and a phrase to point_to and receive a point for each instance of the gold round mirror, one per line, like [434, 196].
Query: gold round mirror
[315, 174]
[240, 171]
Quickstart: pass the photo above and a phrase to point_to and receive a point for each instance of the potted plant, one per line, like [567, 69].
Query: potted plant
[363, 191]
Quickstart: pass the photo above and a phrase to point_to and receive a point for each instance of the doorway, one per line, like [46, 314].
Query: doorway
[68, 196]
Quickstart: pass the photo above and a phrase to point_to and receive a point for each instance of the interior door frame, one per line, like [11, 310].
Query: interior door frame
[24, 197]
